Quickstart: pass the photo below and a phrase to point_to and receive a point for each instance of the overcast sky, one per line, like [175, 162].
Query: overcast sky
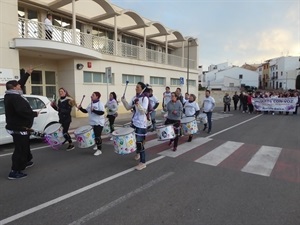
[233, 31]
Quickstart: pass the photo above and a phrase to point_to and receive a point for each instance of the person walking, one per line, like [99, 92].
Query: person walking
[208, 106]
[191, 109]
[174, 109]
[19, 120]
[139, 105]
[154, 104]
[235, 99]
[64, 108]
[166, 97]
[227, 102]
[112, 110]
[96, 119]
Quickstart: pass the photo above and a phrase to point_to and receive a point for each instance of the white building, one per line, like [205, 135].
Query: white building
[229, 78]
[283, 72]
[88, 37]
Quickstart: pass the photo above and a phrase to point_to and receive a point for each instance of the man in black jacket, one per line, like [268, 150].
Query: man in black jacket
[19, 120]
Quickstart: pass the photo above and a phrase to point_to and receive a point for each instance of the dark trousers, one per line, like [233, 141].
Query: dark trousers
[227, 106]
[251, 108]
[235, 105]
[140, 135]
[209, 115]
[22, 154]
[98, 131]
[66, 127]
[176, 125]
[111, 120]
[48, 34]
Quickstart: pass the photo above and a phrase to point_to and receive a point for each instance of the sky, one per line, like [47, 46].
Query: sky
[233, 31]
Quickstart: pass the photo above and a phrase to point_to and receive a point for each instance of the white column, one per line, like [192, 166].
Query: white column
[167, 54]
[145, 43]
[182, 56]
[74, 22]
[116, 36]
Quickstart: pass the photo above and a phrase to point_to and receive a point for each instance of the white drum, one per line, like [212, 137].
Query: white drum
[203, 118]
[54, 134]
[189, 125]
[124, 140]
[165, 132]
[85, 136]
[106, 128]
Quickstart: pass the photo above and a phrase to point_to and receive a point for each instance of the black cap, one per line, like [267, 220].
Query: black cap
[11, 84]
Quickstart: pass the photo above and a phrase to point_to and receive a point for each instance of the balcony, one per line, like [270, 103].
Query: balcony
[30, 29]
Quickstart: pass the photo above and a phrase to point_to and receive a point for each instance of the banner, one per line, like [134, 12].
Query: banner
[275, 104]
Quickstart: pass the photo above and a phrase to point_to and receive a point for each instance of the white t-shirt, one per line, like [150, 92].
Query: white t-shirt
[95, 119]
[208, 104]
[190, 108]
[139, 119]
[48, 24]
[153, 101]
[167, 97]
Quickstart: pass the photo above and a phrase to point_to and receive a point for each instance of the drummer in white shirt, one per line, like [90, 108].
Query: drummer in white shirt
[139, 105]
[191, 109]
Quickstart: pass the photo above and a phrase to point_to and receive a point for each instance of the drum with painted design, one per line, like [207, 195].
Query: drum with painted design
[54, 134]
[165, 132]
[106, 128]
[189, 125]
[124, 140]
[203, 118]
[85, 136]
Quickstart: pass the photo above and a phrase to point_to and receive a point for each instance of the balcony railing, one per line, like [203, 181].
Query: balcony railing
[34, 29]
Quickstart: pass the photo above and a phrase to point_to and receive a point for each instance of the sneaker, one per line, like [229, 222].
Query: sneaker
[70, 147]
[29, 164]
[174, 149]
[16, 175]
[111, 139]
[137, 157]
[98, 152]
[204, 128]
[140, 166]
[208, 131]
[95, 147]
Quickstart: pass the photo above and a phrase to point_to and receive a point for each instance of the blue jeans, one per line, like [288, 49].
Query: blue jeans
[209, 115]
[140, 141]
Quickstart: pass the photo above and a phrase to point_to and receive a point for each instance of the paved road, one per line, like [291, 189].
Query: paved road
[245, 172]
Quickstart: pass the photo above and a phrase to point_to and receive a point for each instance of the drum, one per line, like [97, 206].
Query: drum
[106, 128]
[85, 136]
[165, 132]
[124, 140]
[203, 118]
[189, 125]
[54, 134]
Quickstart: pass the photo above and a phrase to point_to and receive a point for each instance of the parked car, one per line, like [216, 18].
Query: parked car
[47, 116]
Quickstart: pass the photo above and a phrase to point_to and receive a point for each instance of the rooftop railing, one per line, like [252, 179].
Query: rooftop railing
[34, 29]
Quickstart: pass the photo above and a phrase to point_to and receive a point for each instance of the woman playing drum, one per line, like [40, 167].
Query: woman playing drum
[96, 118]
[139, 105]
[174, 109]
[112, 110]
[191, 109]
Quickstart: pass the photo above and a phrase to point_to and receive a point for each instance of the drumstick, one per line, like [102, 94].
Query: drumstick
[43, 107]
[83, 96]
[125, 88]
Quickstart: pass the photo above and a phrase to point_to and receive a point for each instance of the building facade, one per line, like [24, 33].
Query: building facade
[95, 46]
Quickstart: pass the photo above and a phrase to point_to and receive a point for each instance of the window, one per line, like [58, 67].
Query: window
[2, 109]
[157, 81]
[241, 76]
[36, 103]
[96, 77]
[175, 82]
[281, 73]
[192, 83]
[133, 79]
[231, 84]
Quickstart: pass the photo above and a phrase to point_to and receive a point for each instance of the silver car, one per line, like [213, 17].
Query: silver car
[47, 115]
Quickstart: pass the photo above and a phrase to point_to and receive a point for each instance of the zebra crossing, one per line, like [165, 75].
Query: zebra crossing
[260, 160]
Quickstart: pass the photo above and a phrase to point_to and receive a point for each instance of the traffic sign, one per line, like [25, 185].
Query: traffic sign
[181, 80]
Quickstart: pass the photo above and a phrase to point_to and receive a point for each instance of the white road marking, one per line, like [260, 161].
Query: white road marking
[71, 194]
[118, 201]
[263, 162]
[183, 148]
[217, 155]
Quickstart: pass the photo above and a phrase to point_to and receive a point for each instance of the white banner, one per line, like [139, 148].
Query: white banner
[275, 104]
